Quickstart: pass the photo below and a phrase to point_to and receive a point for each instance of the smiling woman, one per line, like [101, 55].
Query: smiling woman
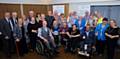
[46, 26]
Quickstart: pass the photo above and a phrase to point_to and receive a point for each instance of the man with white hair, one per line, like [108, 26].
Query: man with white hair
[45, 34]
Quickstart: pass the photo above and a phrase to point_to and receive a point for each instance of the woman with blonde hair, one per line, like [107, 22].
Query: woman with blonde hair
[19, 34]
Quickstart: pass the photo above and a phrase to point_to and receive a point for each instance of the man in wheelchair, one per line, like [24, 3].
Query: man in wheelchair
[47, 39]
[87, 45]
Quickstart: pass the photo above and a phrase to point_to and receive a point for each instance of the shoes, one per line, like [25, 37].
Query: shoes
[83, 53]
[100, 55]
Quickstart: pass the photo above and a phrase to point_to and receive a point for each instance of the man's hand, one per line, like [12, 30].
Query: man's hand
[6, 37]
[34, 31]
[81, 28]
[84, 37]
[0, 33]
[96, 33]
[46, 41]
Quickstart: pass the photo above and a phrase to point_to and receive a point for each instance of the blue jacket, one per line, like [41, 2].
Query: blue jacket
[101, 31]
[83, 22]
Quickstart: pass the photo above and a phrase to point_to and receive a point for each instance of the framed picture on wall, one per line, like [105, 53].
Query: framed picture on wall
[58, 8]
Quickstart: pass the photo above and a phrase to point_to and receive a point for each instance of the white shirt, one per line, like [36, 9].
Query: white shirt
[9, 21]
[87, 33]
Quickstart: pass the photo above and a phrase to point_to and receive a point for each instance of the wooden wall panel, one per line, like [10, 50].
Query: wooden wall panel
[66, 9]
[9, 8]
[49, 7]
[35, 8]
[28, 7]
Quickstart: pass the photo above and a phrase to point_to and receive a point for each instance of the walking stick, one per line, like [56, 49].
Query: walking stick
[17, 49]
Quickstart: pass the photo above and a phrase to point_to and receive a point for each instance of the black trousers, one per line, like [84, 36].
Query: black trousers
[7, 44]
[22, 47]
[111, 44]
[57, 40]
[33, 41]
[1, 43]
[100, 46]
[74, 43]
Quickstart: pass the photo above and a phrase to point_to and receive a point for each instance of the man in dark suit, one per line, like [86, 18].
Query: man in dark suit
[50, 18]
[31, 14]
[6, 32]
[88, 37]
[13, 20]
[1, 46]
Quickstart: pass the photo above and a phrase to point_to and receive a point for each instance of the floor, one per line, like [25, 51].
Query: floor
[61, 55]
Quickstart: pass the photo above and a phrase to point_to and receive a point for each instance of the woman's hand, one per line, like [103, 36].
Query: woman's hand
[75, 35]
[17, 40]
[34, 31]
[71, 35]
[111, 36]
[115, 36]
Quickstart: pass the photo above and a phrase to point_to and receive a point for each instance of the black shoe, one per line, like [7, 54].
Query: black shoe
[56, 52]
[8, 56]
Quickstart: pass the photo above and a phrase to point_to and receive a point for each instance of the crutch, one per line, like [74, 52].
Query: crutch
[17, 49]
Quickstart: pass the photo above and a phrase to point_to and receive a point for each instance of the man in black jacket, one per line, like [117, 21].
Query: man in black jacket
[13, 20]
[50, 18]
[1, 36]
[6, 32]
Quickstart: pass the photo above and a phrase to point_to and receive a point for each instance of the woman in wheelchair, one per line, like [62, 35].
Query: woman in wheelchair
[45, 35]
[88, 42]
[74, 35]
[64, 37]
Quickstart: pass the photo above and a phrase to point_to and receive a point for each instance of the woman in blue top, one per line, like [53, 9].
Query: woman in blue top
[55, 31]
[81, 23]
[100, 33]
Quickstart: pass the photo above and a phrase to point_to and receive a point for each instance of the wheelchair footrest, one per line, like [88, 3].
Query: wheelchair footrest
[83, 53]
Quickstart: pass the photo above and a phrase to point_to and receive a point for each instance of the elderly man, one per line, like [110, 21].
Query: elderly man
[45, 34]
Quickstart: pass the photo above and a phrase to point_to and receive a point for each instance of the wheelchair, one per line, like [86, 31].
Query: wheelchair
[86, 49]
[39, 47]
[42, 49]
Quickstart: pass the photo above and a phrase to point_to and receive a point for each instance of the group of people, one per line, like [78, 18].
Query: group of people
[20, 34]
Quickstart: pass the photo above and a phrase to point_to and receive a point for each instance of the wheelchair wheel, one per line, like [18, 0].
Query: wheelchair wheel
[39, 47]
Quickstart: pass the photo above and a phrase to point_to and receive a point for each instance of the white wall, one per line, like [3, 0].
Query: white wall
[76, 1]
[26, 1]
[81, 7]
